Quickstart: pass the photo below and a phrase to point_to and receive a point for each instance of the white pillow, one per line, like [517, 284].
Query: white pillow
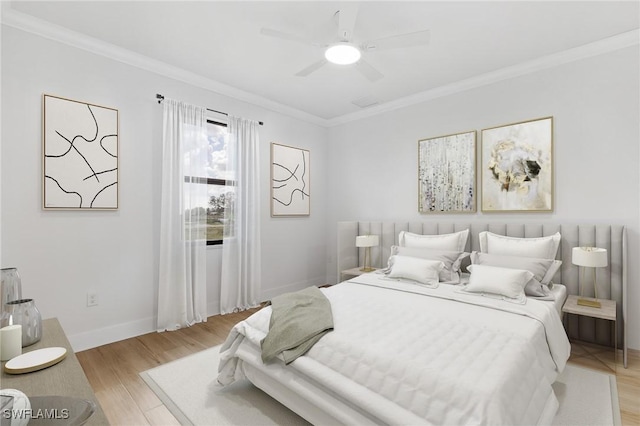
[412, 268]
[503, 281]
[541, 247]
[456, 241]
[451, 260]
[542, 269]
[551, 272]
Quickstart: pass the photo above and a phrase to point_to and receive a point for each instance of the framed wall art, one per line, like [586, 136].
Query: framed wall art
[290, 181]
[447, 174]
[517, 167]
[79, 155]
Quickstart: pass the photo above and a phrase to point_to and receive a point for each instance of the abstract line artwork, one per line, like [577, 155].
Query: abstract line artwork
[447, 174]
[517, 169]
[290, 185]
[80, 155]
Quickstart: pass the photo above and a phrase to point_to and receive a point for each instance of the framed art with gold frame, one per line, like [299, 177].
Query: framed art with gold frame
[517, 167]
[447, 174]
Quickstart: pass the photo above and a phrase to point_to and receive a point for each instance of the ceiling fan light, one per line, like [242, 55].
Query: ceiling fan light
[342, 54]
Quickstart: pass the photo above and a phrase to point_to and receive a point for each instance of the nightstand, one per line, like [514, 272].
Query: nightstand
[353, 272]
[606, 312]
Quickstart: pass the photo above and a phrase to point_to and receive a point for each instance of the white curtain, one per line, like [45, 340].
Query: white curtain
[182, 298]
[241, 267]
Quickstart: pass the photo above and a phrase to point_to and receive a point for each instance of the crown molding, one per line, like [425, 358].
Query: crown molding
[33, 25]
[60, 34]
[599, 47]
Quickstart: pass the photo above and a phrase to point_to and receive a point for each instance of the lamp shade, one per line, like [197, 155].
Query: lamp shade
[593, 257]
[367, 241]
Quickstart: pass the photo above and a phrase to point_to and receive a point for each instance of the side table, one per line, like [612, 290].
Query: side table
[66, 378]
[607, 311]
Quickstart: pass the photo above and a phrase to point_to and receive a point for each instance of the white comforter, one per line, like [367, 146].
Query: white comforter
[406, 354]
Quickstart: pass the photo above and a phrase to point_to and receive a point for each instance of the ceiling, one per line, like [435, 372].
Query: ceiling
[221, 42]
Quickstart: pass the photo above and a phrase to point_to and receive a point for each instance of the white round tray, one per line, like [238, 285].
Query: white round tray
[35, 360]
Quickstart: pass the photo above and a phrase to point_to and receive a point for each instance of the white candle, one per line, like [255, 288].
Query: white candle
[10, 342]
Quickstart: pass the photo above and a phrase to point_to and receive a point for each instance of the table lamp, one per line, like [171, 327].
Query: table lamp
[589, 257]
[367, 241]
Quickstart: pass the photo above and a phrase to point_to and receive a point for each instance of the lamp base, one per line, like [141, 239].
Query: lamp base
[590, 303]
[367, 269]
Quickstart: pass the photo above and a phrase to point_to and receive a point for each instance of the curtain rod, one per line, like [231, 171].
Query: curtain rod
[160, 98]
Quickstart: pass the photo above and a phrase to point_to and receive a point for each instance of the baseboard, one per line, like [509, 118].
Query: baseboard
[115, 333]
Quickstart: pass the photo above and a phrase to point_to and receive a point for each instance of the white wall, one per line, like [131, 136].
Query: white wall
[361, 170]
[63, 255]
[595, 105]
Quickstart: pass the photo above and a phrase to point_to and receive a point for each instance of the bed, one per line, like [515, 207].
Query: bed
[403, 353]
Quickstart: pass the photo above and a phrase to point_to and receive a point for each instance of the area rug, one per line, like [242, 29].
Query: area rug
[189, 390]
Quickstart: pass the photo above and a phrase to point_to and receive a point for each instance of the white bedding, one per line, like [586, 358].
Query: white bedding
[559, 293]
[405, 354]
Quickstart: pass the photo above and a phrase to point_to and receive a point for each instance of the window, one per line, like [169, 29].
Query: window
[208, 217]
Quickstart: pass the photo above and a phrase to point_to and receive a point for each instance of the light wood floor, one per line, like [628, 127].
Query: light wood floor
[113, 370]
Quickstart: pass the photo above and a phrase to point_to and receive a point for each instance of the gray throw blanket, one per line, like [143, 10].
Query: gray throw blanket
[298, 321]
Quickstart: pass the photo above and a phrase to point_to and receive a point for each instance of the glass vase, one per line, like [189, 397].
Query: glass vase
[10, 287]
[25, 313]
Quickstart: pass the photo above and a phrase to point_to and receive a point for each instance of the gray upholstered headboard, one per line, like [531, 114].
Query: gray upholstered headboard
[612, 280]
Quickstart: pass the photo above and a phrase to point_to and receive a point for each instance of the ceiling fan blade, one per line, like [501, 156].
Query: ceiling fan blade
[347, 16]
[311, 68]
[285, 36]
[419, 38]
[368, 71]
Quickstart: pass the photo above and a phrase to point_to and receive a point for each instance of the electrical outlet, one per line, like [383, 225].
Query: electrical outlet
[92, 299]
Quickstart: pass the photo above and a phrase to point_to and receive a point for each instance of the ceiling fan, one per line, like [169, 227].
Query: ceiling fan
[344, 50]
